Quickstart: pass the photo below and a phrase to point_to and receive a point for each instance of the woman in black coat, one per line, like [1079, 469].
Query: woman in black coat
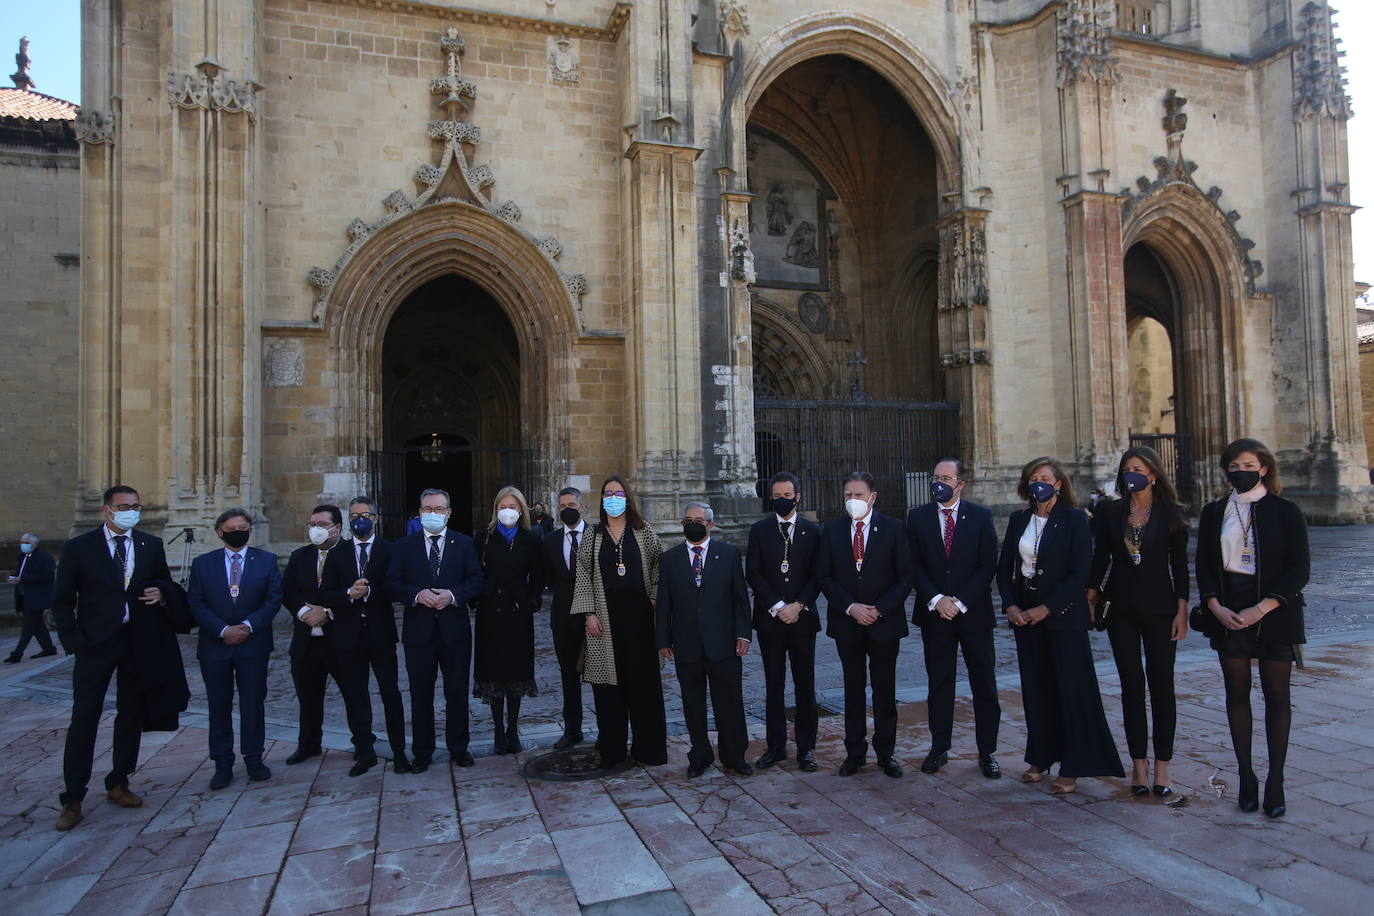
[1252, 565]
[1142, 550]
[1042, 574]
[503, 645]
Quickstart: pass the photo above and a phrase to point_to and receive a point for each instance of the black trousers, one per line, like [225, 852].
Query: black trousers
[34, 628]
[941, 641]
[90, 680]
[622, 710]
[1065, 721]
[310, 670]
[567, 646]
[724, 678]
[880, 657]
[423, 666]
[249, 675]
[1130, 629]
[381, 658]
[777, 648]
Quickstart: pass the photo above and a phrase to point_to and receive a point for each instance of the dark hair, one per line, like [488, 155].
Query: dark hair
[1165, 494]
[432, 491]
[333, 511]
[632, 516]
[1266, 460]
[959, 470]
[114, 491]
[1035, 464]
[362, 500]
[570, 491]
[865, 477]
[784, 477]
[235, 513]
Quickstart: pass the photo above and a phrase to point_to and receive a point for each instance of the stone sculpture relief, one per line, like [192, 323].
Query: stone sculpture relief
[283, 362]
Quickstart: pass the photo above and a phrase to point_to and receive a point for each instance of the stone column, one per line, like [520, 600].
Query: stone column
[963, 324]
[663, 327]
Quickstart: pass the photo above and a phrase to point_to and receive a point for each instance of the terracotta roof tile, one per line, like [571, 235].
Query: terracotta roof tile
[35, 106]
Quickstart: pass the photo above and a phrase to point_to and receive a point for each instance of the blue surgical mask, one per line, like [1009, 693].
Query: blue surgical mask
[362, 527]
[433, 522]
[941, 492]
[127, 519]
[1135, 482]
[614, 505]
[26, 547]
[1042, 492]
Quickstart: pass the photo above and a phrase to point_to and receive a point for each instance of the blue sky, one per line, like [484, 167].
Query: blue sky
[54, 30]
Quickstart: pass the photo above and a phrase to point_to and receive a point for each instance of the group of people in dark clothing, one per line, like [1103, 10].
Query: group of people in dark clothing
[624, 606]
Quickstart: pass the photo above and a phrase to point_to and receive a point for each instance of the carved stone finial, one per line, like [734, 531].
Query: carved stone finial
[21, 77]
[734, 21]
[93, 126]
[1084, 41]
[1175, 121]
[1318, 74]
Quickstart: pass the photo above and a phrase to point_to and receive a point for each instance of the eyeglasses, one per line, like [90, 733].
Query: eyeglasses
[353, 515]
[125, 507]
[431, 510]
[945, 478]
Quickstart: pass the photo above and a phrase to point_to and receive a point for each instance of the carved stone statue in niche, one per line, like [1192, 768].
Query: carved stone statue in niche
[801, 248]
[779, 209]
[283, 363]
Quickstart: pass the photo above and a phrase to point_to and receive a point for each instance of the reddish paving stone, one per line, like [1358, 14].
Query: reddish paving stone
[422, 879]
[711, 887]
[48, 898]
[318, 882]
[545, 892]
[563, 806]
[133, 895]
[669, 834]
[778, 863]
[81, 851]
[607, 861]
[345, 823]
[506, 847]
[149, 853]
[241, 897]
[243, 853]
[846, 899]
[422, 823]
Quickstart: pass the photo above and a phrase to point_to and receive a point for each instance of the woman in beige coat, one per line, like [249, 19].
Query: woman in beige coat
[617, 573]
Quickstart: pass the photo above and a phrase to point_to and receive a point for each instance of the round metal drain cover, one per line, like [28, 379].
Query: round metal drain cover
[571, 765]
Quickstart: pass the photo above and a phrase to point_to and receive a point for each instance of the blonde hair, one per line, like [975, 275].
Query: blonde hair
[519, 498]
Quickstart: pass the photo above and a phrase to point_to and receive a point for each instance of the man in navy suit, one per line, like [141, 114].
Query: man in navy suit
[32, 583]
[234, 594]
[865, 573]
[954, 560]
[435, 573]
[780, 564]
[111, 603]
[560, 556]
[702, 625]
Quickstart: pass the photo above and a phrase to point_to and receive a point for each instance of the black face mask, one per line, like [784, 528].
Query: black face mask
[1243, 481]
[570, 517]
[694, 531]
[784, 506]
[235, 539]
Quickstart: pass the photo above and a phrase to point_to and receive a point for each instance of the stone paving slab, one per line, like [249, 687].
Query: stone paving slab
[485, 840]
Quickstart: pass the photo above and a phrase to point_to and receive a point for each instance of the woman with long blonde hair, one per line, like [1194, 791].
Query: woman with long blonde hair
[503, 644]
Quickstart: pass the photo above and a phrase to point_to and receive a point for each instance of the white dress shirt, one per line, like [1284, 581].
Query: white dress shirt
[792, 535]
[1030, 541]
[868, 531]
[443, 542]
[229, 574]
[580, 529]
[940, 517]
[1238, 518]
[128, 557]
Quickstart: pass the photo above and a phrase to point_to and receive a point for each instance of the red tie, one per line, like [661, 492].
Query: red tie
[949, 529]
[858, 542]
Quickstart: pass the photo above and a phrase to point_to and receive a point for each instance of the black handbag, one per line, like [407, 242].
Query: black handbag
[1197, 619]
[1104, 608]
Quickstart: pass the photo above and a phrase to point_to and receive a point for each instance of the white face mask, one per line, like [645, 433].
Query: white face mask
[508, 517]
[317, 534]
[857, 508]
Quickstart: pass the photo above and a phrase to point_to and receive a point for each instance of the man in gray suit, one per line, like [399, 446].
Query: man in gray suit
[703, 626]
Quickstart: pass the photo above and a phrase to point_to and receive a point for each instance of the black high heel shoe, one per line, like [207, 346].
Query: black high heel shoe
[1274, 805]
[1138, 791]
[1249, 792]
[1162, 791]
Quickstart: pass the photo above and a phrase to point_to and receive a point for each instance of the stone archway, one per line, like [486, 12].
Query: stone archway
[453, 238]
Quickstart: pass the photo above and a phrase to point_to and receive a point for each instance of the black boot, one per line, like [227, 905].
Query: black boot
[502, 744]
[512, 730]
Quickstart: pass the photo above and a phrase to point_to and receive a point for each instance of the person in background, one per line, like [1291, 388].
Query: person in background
[1042, 574]
[540, 523]
[1252, 565]
[503, 644]
[33, 587]
[1142, 552]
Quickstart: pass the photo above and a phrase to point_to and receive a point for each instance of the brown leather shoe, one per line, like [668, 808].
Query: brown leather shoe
[70, 816]
[121, 796]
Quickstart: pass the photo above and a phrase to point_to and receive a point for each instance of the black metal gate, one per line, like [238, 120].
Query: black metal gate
[1176, 451]
[470, 474]
[823, 441]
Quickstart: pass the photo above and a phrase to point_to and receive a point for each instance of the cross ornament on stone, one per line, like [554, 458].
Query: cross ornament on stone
[857, 361]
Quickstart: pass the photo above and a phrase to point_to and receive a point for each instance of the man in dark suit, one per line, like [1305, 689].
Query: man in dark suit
[560, 556]
[780, 565]
[234, 594]
[865, 573]
[110, 579]
[435, 573]
[702, 626]
[364, 626]
[316, 655]
[954, 559]
[33, 587]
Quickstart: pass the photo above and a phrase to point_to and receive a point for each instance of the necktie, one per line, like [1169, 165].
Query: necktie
[858, 543]
[786, 529]
[572, 550]
[949, 529]
[362, 560]
[696, 564]
[434, 558]
[235, 573]
[319, 566]
[122, 558]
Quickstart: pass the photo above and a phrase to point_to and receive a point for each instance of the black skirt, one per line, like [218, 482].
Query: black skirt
[1238, 593]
